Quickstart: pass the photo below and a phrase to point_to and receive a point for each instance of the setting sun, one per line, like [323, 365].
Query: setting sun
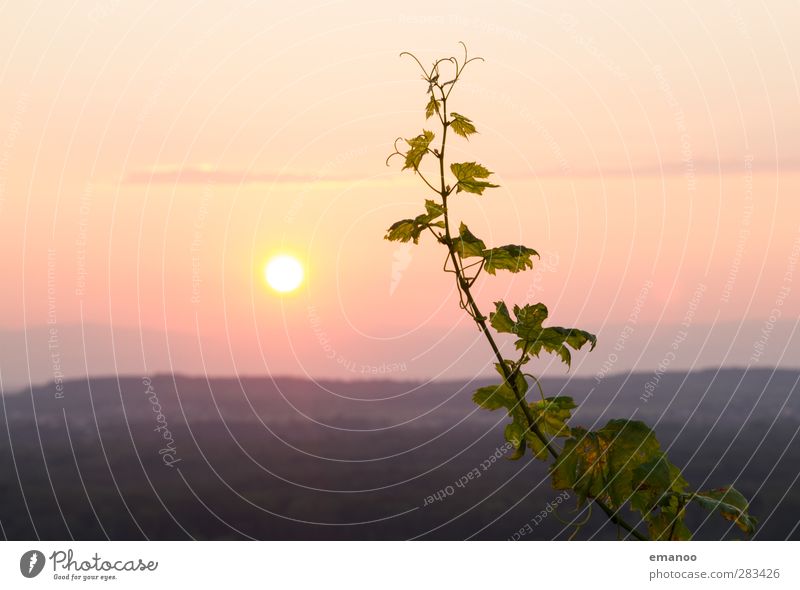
[284, 273]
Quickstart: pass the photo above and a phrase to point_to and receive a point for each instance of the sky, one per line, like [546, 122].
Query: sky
[154, 156]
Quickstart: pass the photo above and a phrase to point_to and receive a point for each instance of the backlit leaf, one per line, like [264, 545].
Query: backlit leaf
[518, 378]
[667, 525]
[462, 126]
[468, 175]
[433, 209]
[631, 443]
[418, 146]
[551, 415]
[600, 464]
[555, 340]
[582, 466]
[467, 245]
[529, 318]
[515, 433]
[533, 337]
[731, 504]
[653, 481]
[410, 229]
[494, 397]
[432, 107]
[512, 257]
[500, 319]
[403, 231]
[537, 446]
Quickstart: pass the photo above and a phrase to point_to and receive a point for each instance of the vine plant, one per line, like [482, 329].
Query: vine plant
[619, 465]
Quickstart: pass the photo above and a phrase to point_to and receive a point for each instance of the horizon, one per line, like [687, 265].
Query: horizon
[643, 350]
[398, 380]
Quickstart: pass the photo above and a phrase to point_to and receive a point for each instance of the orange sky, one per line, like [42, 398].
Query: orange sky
[162, 153]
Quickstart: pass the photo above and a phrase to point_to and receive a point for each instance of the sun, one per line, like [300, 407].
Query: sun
[283, 273]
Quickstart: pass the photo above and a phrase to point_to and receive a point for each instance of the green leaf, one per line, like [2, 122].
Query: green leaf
[467, 174]
[667, 524]
[731, 504]
[512, 257]
[410, 229]
[433, 209]
[528, 323]
[518, 453]
[418, 146]
[577, 338]
[631, 443]
[582, 466]
[494, 397]
[601, 464]
[515, 433]
[500, 319]
[533, 337]
[462, 126]
[550, 341]
[403, 231]
[518, 378]
[432, 107]
[537, 446]
[653, 482]
[554, 341]
[551, 415]
[467, 245]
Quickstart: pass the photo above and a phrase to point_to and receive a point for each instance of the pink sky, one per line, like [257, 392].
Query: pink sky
[152, 147]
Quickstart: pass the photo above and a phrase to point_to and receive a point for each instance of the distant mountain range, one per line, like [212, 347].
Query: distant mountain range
[91, 349]
[171, 457]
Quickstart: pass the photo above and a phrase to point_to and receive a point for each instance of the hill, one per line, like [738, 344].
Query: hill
[177, 457]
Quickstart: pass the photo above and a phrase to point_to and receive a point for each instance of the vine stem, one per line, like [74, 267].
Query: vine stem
[465, 287]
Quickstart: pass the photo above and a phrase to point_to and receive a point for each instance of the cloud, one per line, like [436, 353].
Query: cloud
[695, 166]
[210, 175]
[201, 174]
